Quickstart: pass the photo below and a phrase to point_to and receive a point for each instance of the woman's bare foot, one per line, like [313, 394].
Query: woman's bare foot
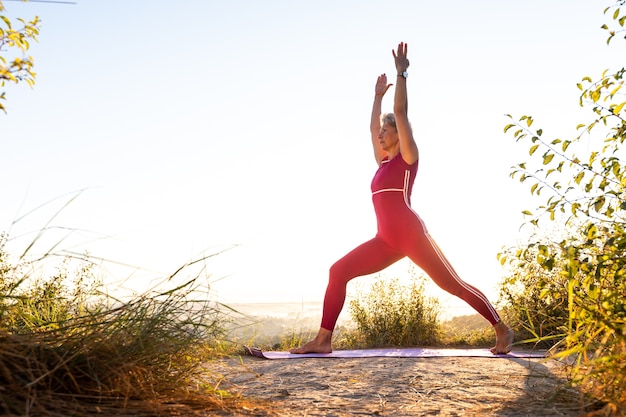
[504, 339]
[321, 343]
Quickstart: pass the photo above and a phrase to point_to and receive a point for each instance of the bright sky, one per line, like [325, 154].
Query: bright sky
[197, 125]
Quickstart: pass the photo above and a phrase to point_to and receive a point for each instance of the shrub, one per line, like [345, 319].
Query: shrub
[392, 314]
[534, 298]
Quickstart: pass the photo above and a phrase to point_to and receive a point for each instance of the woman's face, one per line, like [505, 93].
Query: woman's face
[387, 136]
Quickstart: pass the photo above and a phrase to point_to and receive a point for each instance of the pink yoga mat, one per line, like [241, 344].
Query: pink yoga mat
[396, 353]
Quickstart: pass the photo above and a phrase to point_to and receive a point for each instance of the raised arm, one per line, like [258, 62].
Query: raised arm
[379, 91]
[408, 147]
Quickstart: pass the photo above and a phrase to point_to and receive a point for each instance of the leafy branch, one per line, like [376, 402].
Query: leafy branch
[598, 185]
[18, 68]
[618, 17]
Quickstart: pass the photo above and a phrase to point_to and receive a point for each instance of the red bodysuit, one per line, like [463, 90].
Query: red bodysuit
[401, 233]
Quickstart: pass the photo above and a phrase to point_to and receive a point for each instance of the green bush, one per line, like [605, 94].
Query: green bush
[534, 298]
[570, 295]
[391, 314]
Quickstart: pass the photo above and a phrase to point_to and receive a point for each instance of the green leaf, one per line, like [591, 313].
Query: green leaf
[566, 145]
[592, 232]
[547, 158]
[595, 96]
[534, 187]
[615, 90]
[616, 168]
[6, 21]
[533, 149]
[597, 205]
[578, 178]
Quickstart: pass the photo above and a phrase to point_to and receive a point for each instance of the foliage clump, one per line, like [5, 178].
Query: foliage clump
[535, 303]
[392, 314]
[68, 348]
[18, 67]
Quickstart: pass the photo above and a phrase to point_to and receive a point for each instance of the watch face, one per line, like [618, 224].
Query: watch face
[405, 74]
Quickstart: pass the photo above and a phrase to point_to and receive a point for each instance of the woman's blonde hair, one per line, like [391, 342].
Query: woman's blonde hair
[388, 118]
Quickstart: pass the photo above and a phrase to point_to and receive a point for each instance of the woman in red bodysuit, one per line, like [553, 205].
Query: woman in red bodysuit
[401, 232]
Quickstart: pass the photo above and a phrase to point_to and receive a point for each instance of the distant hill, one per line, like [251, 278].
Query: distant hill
[469, 323]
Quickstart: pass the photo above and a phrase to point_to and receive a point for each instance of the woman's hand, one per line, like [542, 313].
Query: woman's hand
[381, 85]
[402, 62]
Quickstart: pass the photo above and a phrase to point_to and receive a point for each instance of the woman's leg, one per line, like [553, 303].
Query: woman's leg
[429, 257]
[368, 258]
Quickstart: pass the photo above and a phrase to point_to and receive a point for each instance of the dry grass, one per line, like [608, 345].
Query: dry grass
[67, 348]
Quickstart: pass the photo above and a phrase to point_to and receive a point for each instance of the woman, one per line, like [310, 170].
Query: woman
[401, 232]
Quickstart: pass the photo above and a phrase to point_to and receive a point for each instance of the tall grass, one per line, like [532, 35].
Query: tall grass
[68, 347]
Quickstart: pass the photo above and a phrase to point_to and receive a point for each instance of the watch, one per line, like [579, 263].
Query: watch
[403, 74]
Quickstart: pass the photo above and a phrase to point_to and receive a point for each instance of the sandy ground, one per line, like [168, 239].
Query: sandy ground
[404, 386]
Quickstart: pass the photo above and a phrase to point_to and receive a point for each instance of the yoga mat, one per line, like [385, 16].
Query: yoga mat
[396, 353]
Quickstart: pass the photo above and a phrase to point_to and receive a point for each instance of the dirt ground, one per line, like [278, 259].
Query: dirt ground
[396, 387]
